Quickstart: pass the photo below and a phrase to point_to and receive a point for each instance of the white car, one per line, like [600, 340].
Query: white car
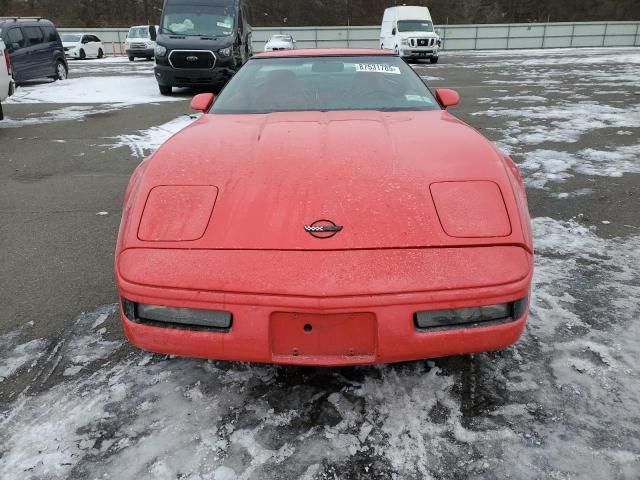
[82, 45]
[141, 42]
[280, 42]
[7, 86]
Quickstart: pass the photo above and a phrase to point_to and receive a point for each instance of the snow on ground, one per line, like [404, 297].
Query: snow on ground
[561, 404]
[148, 141]
[562, 123]
[123, 90]
[542, 131]
[75, 112]
[109, 65]
[14, 355]
[543, 166]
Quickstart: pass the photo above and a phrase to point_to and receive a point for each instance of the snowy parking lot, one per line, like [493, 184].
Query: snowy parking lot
[76, 401]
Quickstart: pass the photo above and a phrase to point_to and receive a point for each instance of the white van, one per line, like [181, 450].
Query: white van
[7, 85]
[141, 42]
[409, 32]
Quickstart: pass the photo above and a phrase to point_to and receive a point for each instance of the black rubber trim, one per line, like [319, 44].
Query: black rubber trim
[131, 313]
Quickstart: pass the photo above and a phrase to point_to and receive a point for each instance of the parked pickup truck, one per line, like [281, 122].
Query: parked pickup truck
[7, 86]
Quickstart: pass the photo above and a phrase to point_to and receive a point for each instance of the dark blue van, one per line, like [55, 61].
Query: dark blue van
[34, 47]
[201, 43]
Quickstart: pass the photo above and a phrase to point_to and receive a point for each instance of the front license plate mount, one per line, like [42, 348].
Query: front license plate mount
[346, 336]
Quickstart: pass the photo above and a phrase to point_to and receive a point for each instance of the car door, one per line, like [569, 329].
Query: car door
[49, 46]
[85, 45]
[98, 45]
[95, 45]
[36, 51]
[17, 45]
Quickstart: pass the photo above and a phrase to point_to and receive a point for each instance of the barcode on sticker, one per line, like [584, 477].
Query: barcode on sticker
[377, 68]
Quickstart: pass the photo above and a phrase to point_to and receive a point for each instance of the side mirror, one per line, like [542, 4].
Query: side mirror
[447, 97]
[393, 32]
[152, 33]
[202, 102]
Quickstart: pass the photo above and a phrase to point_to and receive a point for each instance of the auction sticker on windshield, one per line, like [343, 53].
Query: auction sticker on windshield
[377, 68]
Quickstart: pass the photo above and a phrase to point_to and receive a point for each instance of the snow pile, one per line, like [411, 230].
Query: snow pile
[122, 90]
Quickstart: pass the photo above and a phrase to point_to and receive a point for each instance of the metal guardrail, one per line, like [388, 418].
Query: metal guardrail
[454, 37]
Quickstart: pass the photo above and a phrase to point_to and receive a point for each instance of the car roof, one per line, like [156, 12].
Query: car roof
[28, 22]
[326, 52]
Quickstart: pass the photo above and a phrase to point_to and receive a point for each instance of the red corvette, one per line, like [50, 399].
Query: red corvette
[325, 210]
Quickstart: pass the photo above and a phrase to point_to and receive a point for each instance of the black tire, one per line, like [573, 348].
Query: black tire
[434, 59]
[83, 55]
[1, 112]
[132, 59]
[165, 89]
[100, 53]
[62, 72]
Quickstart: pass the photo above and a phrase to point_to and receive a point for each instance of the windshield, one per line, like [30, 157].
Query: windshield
[198, 20]
[415, 26]
[324, 84]
[138, 32]
[71, 38]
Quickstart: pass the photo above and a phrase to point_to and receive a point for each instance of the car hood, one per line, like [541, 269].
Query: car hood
[391, 180]
[186, 42]
[418, 34]
[70, 44]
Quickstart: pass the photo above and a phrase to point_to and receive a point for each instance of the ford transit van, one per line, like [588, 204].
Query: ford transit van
[201, 43]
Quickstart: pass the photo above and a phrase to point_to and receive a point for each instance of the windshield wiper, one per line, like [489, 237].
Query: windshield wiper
[165, 29]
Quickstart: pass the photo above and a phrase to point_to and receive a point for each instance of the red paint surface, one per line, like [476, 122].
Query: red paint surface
[471, 209]
[330, 335]
[408, 243]
[177, 213]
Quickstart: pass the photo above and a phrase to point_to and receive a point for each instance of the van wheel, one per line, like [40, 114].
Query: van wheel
[100, 53]
[61, 71]
[434, 59]
[82, 54]
[1, 112]
[165, 89]
[131, 59]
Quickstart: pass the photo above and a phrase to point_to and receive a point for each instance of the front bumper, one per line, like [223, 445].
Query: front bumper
[140, 52]
[167, 75]
[419, 52]
[390, 316]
